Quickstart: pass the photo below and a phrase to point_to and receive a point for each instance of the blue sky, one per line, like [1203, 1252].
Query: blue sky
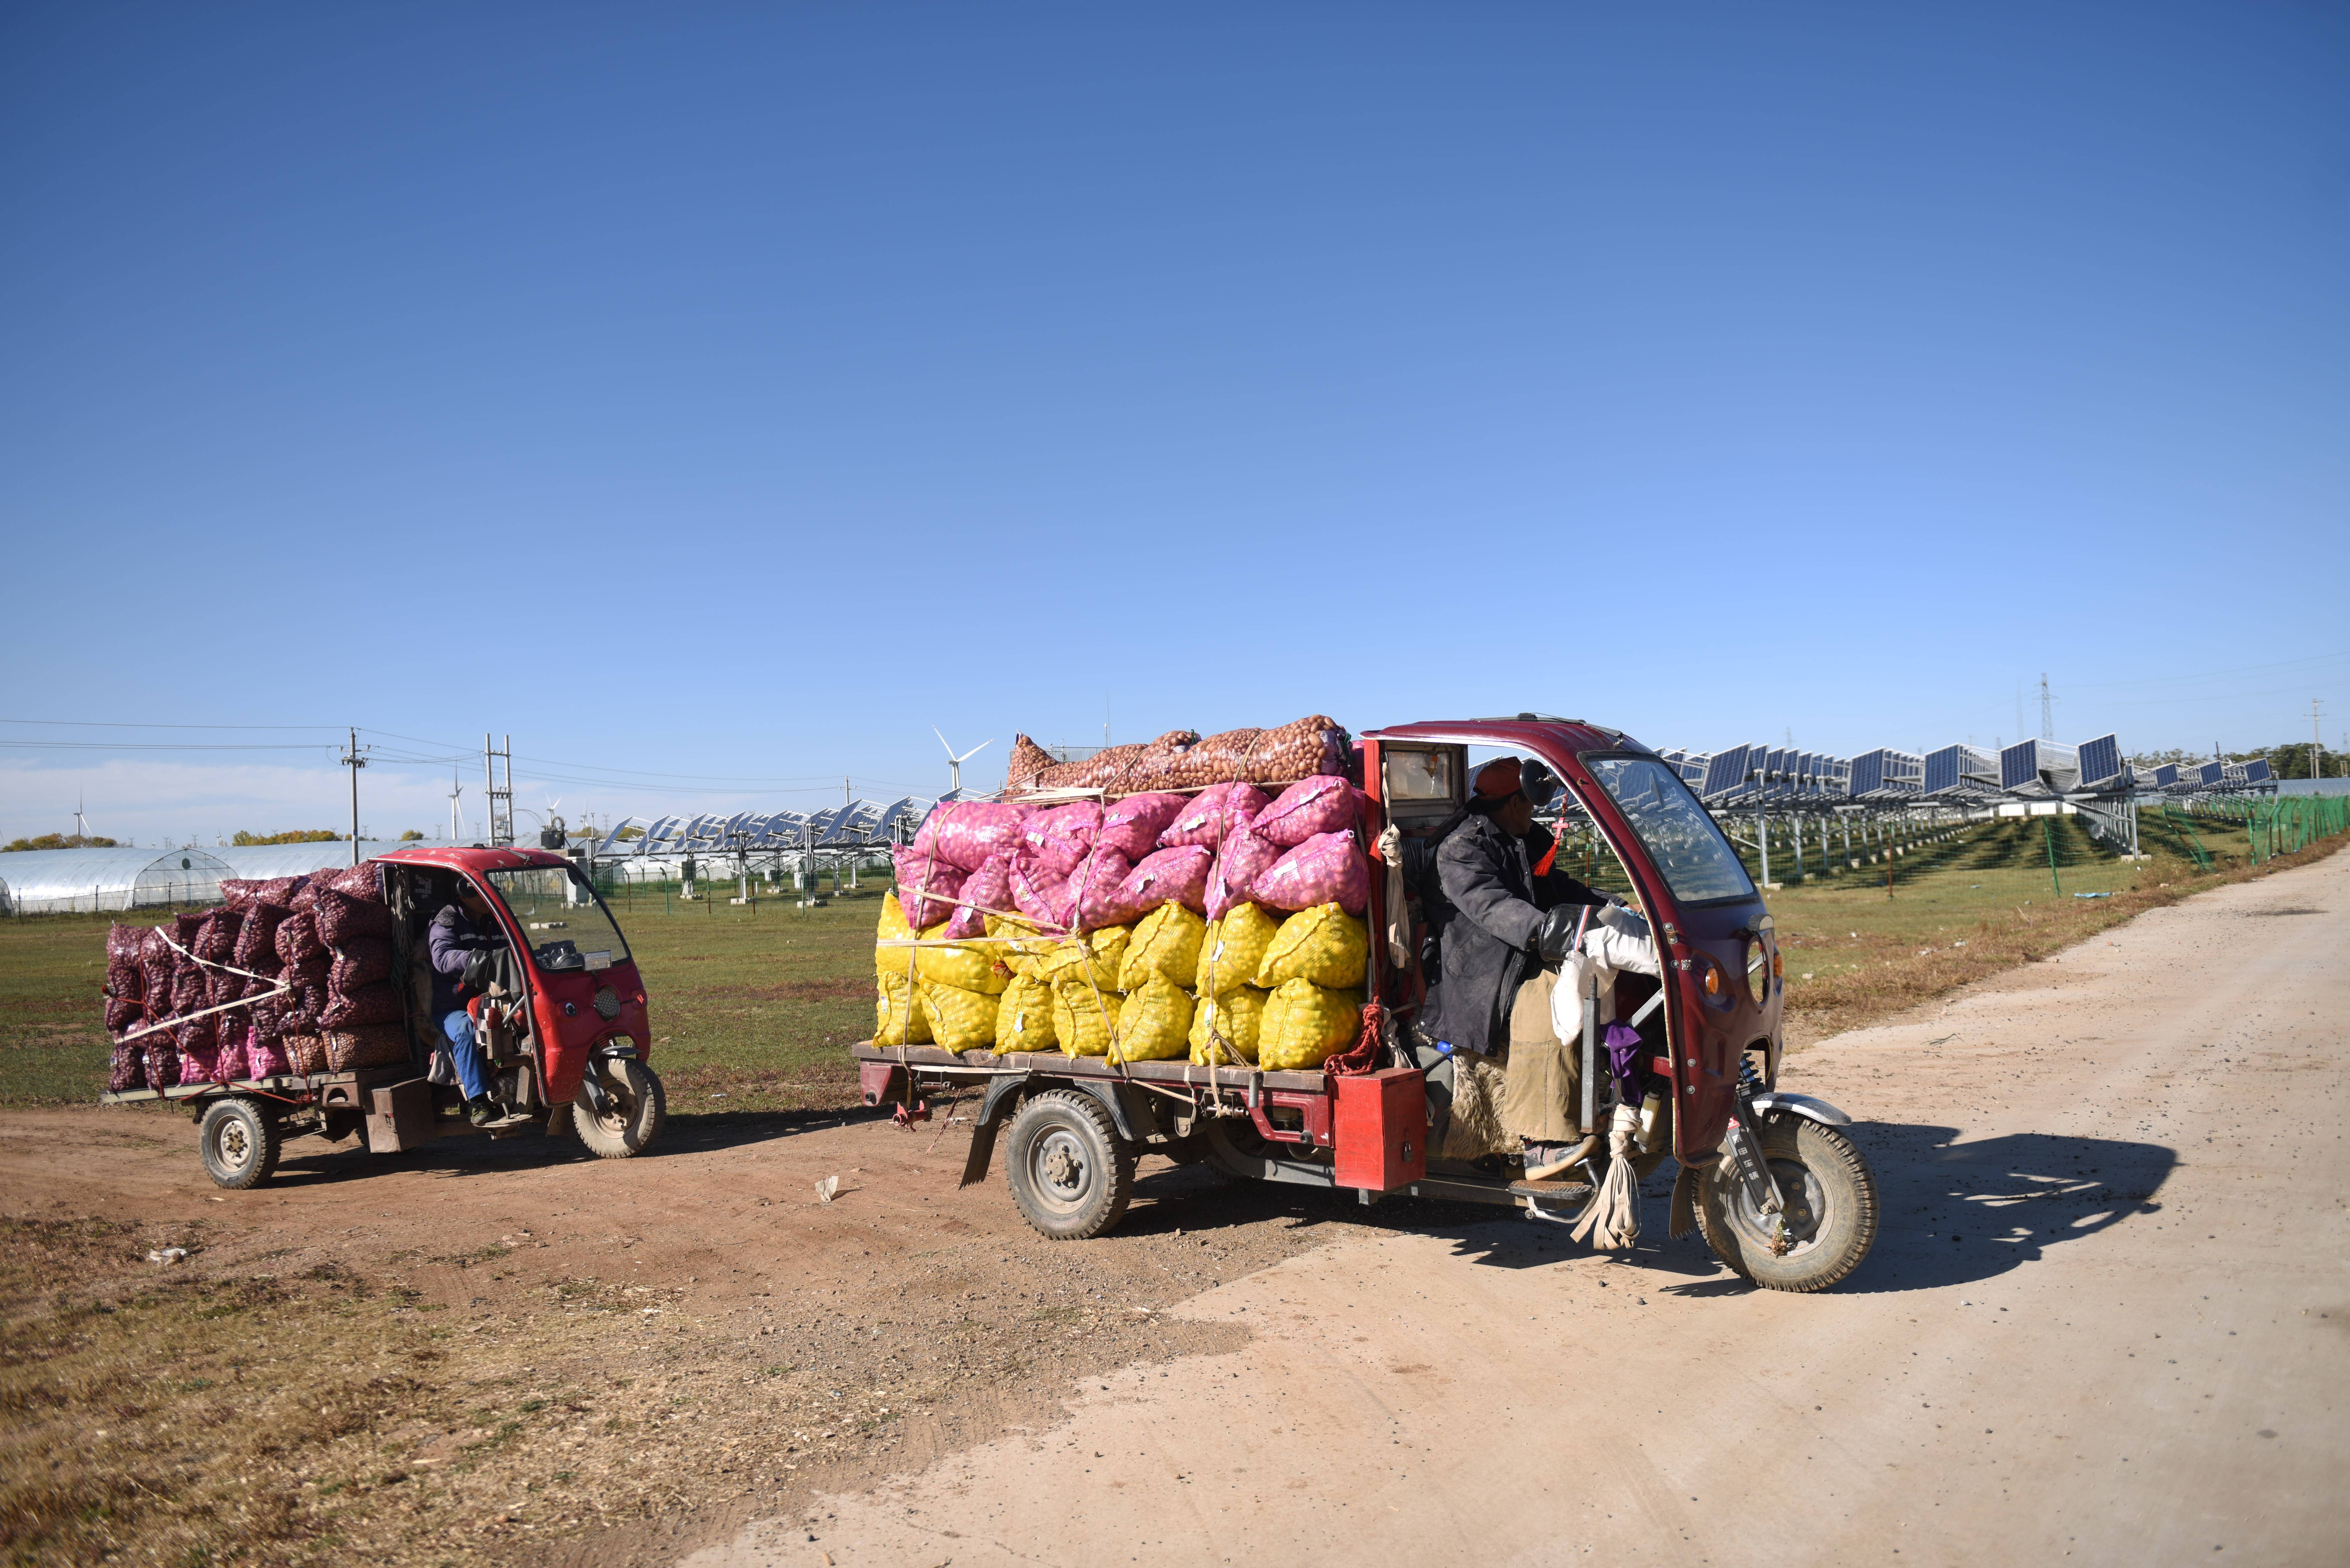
[736, 392]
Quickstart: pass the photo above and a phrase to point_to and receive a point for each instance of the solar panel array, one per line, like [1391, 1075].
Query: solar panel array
[1758, 776]
[855, 824]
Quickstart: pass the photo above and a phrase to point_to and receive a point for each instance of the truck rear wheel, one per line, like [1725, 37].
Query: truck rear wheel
[1069, 1172]
[1831, 1216]
[238, 1143]
[634, 1117]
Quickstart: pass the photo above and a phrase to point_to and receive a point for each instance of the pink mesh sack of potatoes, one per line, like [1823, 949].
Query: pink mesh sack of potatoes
[1242, 857]
[1203, 820]
[1099, 887]
[971, 832]
[1178, 876]
[1323, 803]
[1327, 868]
[1027, 764]
[925, 886]
[989, 888]
[1042, 894]
[1132, 826]
[1057, 839]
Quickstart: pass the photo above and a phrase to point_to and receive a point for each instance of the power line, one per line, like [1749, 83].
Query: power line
[109, 725]
[168, 745]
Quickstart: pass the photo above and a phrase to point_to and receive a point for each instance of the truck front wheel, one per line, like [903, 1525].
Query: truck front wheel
[635, 1110]
[1830, 1220]
[238, 1143]
[1070, 1173]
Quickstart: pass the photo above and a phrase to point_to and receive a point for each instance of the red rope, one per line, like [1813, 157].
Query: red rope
[1363, 1055]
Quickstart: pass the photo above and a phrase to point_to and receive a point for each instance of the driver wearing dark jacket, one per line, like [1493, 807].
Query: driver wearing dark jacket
[1495, 921]
[463, 933]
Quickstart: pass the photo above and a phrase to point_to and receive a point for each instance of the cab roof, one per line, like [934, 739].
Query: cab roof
[456, 859]
[1576, 735]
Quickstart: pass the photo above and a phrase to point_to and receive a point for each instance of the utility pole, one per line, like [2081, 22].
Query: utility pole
[2047, 709]
[500, 804]
[353, 761]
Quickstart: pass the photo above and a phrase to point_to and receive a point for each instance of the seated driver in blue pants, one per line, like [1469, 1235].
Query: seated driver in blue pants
[459, 931]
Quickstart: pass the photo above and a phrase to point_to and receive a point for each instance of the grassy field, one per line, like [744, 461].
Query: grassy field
[752, 1006]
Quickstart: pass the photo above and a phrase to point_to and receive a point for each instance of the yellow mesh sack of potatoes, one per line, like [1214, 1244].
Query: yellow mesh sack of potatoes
[1100, 953]
[969, 966]
[898, 1014]
[1166, 941]
[1233, 949]
[960, 1020]
[1152, 1024]
[1024, 1017]
[1237, 1016]
[1082, 1015]
[1019, 956]
[1305, 1024]
[1324, 944]
[892, 928]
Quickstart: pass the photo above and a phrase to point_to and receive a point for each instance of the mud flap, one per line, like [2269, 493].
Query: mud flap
[1003, 1096]
[1682, 1217]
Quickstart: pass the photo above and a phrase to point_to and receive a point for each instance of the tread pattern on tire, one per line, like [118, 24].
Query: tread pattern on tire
[1822, 1149]
[1120, 1167]
[269, 1141]
[593, 1137]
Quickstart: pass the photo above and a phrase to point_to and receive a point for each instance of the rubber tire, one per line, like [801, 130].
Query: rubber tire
[1072, 1124]
[239, 1144]
[1796, 1146]
[639, 1123]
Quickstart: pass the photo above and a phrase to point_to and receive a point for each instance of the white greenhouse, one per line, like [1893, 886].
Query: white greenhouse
[70, 881]
[62, 881]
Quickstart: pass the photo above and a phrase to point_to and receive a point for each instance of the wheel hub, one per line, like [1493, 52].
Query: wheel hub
[1798, 1222]
[234, 1149]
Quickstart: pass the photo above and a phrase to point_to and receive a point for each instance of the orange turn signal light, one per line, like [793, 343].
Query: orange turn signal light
[1714, 980]
[1778, 967]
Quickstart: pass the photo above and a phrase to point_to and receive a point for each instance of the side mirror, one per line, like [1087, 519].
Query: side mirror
[1541, 784]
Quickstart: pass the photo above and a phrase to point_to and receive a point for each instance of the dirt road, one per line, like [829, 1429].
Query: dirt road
[2105, 1321]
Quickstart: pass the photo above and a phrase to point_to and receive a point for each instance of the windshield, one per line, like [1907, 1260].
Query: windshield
[1681, 838]
[564, 923]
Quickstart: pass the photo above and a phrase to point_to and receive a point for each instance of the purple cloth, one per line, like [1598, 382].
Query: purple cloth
[1624, 1053]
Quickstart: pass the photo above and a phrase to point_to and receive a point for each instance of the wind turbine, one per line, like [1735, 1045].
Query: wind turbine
[954, 763]
[456, 818]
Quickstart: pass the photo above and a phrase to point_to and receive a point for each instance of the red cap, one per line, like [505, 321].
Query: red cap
[1499, 779]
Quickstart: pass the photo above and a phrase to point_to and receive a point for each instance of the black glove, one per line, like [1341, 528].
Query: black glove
[1557, 934]
[480, 968]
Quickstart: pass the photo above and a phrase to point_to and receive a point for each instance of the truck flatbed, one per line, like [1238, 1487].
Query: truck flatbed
[932, 1059]
[283, 1084]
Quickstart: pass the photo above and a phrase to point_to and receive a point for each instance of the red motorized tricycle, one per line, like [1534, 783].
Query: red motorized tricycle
[559, 1010]
[1776, 1187]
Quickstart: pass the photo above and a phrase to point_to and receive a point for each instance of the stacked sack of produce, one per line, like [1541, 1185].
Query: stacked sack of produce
[1162, 924]
[309, 958]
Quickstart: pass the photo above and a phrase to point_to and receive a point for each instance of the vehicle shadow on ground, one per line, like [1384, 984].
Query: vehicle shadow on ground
[1954, 1213]
[309, 1162]
[1199, 1199]
[1950, 1212]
